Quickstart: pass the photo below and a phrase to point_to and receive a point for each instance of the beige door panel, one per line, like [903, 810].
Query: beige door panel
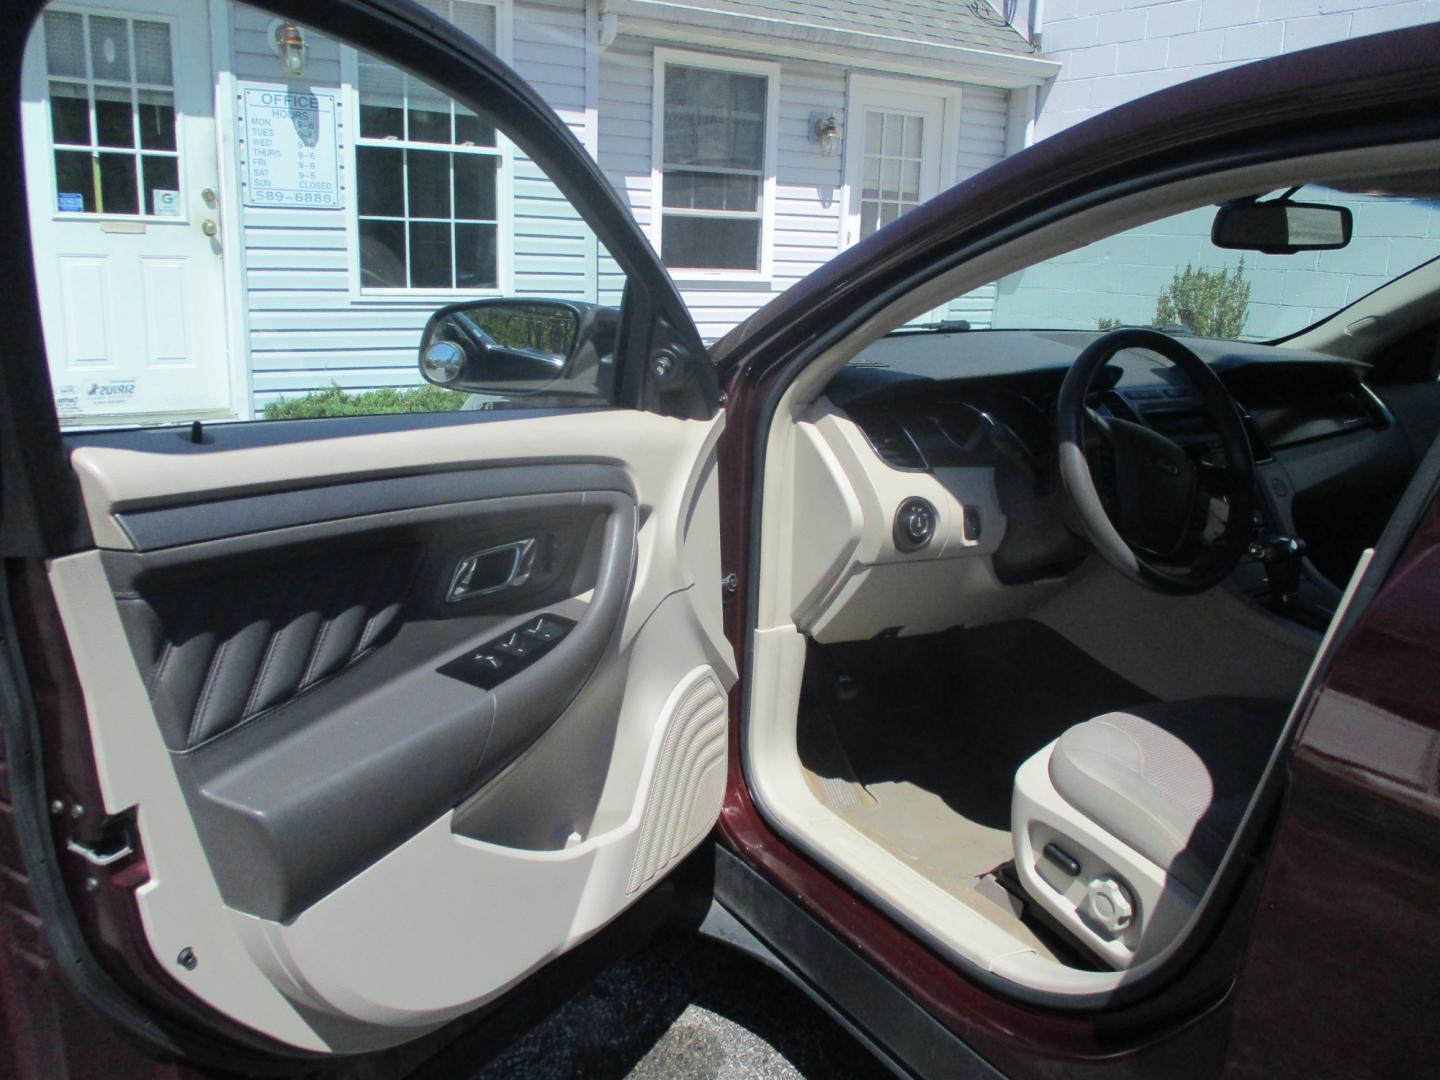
[625, 782]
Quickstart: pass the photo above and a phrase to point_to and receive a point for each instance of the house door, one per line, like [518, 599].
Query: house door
[900, 144]
[121, 175]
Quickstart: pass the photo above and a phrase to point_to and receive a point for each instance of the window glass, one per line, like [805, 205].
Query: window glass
[426, 178]
[242, 218]
[713, 168]
[100, 103]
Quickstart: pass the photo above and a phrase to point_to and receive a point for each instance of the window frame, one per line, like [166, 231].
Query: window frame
[504, 150]
[764, 274]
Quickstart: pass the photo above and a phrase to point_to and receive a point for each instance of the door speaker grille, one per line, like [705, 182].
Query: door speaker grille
[689, 780]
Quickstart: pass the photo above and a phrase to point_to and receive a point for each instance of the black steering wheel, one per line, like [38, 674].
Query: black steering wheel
[1167, 520]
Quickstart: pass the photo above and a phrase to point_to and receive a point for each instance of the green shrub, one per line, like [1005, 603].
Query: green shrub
[333, 401]
[1209, 303]
[1105, 322]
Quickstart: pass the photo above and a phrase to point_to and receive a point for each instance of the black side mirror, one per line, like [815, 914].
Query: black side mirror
[515, 347]
[1281, 227]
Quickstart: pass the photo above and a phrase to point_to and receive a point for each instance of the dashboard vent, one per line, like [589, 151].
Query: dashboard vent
[888, 438]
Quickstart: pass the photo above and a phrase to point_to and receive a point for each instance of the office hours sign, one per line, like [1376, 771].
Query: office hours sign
[291, 147]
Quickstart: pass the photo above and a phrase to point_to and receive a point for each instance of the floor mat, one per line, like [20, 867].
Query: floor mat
[916, 741]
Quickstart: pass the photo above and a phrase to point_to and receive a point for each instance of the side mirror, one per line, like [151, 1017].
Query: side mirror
[1281, 227]
[518, 347]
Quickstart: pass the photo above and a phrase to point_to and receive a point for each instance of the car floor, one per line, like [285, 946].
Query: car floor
[915, 742]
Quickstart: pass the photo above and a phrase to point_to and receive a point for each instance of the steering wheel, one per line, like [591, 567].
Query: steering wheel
[1162, 518]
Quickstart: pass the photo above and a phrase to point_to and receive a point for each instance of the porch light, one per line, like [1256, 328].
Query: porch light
[825, 131]
[290, 46]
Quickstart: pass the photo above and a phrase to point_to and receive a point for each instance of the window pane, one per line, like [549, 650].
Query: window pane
[710, 243]
[118, 191]
[381, 180]
[152, 53]
[869, 217]
[714, 118]
[914, 130]
[74, 177]
[475, 257]
[69, 113]
[114, 125]
[64, 44]
[160, 174]
[890, 144]
[471, 130]
[428, 176]
[110, 48]
[475, 186]
[157, 120]
[428, 113]
[712, 191]
[382, 254]
[874, 124]
[382, 101]
[430, 260]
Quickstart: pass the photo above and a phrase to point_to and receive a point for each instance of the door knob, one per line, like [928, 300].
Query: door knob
[207, 196]
[209, 228]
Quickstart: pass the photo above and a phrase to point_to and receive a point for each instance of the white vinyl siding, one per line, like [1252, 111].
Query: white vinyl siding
[309, 323]
[808, 185]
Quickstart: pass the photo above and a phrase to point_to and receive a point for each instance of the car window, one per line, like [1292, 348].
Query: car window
[235, 217]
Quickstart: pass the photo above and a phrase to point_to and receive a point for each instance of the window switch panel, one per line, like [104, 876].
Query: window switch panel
[510, 653]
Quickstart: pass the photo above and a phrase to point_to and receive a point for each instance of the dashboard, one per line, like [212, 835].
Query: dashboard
[964, 422]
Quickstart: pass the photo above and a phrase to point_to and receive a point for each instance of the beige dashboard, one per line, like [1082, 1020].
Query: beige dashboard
[850, 580]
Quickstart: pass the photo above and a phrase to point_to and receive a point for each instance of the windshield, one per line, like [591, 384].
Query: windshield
[1168, 274]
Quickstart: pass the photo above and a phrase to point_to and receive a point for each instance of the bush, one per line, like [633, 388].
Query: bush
[333, 401]
[1105, 322]
[1209, 303]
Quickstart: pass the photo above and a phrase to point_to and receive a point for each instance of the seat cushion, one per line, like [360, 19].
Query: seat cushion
[1171, 779]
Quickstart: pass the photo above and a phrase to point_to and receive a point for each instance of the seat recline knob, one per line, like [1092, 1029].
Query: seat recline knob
[1108, 905]
[915, 524]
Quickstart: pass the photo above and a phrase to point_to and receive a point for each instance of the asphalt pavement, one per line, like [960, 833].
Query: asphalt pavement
[687, 1008]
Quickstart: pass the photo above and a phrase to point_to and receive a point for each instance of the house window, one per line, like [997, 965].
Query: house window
[893, 159]
[715, 153]
[112, 115]
[427, 175]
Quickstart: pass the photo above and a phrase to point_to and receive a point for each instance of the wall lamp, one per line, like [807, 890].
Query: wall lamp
[289, 44]
[825, 131]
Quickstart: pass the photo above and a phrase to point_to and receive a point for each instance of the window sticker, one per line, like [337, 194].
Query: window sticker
[167, 203]
[71, 202]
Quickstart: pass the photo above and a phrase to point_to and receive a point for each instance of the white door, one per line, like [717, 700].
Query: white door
[120, 167]
[899, 145]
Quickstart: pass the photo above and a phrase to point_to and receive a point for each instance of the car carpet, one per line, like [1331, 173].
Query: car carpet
[915, 741]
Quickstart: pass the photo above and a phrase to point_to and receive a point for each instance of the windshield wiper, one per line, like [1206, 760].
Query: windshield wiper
[944, 326]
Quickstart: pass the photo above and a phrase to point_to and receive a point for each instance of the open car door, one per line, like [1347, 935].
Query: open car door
[356, 723]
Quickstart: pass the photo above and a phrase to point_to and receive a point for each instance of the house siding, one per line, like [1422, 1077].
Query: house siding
[809, 192]
[306, 327]
[305, 324]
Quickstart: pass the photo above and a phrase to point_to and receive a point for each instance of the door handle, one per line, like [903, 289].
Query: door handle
[483, 572]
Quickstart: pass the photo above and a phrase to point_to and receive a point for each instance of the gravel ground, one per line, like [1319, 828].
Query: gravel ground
[687, 1008]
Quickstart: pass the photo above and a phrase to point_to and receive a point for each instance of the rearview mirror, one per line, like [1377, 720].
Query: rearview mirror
[519, 347]
[1281, 227]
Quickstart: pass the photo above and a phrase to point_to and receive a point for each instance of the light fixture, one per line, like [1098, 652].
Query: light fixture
[290, 46]
[825, 131]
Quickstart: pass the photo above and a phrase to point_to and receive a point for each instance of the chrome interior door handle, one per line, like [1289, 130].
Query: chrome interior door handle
[484, 572]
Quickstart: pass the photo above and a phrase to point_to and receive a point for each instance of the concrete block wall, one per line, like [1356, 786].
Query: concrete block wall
[1114, 51]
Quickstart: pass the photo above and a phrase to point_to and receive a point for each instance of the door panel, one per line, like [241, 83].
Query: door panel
[354, 837]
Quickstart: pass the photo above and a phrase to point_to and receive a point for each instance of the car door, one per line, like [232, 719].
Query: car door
[343, 727]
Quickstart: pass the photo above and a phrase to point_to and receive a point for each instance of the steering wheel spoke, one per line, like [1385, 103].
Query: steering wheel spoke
[1164, 519]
